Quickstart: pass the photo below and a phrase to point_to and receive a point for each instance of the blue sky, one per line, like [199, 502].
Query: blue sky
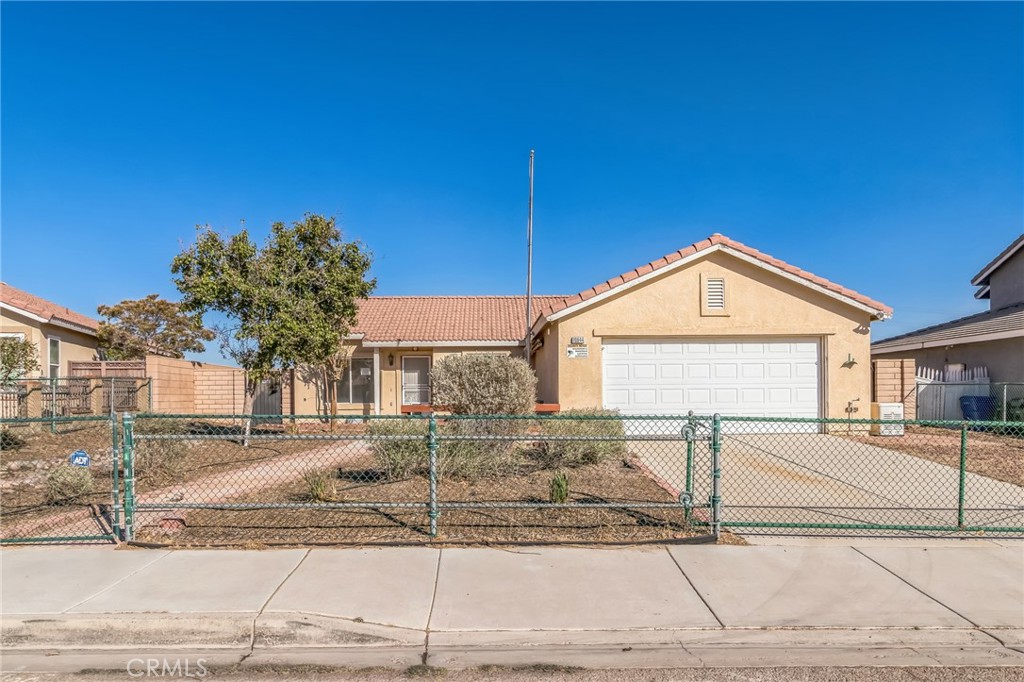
[876, 144]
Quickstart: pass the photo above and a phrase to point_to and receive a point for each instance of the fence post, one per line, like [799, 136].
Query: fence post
[115, 465]
[963, 476]
[690, 434]
[432, 465]
[53, 404]
[129, 478]
[716, 474]
[1004, 401]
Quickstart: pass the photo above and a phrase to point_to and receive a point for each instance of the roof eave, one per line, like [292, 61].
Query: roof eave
[465, 343]
[881, 346]
[877, 311]
[981, 279]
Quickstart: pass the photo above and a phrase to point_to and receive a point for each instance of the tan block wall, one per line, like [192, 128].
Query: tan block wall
[174, 384]
[894, 381]
[760, 304]
[219, 389]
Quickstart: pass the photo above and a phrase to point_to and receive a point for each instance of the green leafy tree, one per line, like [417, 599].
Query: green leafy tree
[133, 328]
[18, 357]
[289, 303]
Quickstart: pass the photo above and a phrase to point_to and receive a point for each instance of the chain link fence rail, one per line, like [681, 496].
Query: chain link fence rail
[874, 477]
[601, 478]
[60, 397]
[59, 479]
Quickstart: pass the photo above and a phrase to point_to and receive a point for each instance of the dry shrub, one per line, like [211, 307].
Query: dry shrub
[465, 459]
[160, 462]
[484, 383]
[399, 458]
[10, 440]
[320, 485]
[603, 426]
[67, 483]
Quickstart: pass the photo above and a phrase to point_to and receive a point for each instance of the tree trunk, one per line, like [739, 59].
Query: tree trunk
[247, 403]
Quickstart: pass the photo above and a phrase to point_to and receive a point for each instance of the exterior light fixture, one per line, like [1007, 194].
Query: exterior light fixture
[391, 359]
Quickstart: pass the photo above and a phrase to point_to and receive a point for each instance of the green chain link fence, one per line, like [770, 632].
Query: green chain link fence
[60, 479]
[597, 478]
[882, 477]
[197, 480]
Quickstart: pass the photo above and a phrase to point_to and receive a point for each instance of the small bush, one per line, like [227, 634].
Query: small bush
[160, 462]
[476, 459]
[320, 485]
[484, 384]
[10, 440]
[596, 424]
[560, 487]
[399, 458]
[466, 459]
[67, 483]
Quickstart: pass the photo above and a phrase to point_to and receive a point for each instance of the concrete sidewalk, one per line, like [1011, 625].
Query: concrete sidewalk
[66, 608]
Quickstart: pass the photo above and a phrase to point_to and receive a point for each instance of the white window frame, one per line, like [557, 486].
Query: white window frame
[49, 359]
[348, 371]
[402, 381]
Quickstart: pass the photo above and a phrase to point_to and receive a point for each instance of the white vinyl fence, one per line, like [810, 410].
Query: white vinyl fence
[939, 394]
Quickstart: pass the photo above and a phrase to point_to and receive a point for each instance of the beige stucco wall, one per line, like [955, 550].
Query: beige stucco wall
[1004, 358]
[74, 345]
[760, 304]
[1007, 282]
[545, 363]
[309, 390]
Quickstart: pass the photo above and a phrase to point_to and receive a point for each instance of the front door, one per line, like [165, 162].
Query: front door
[416, 380]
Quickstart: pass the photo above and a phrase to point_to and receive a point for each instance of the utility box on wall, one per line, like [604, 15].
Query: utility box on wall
[887, 412]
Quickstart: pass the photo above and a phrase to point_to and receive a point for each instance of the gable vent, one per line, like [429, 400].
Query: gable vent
[716, 293]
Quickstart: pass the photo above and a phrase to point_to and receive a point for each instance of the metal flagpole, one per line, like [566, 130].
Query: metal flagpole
[529, 266]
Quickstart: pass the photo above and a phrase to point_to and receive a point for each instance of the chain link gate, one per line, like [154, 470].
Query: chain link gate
[60, 479]
[596, 478]
[861, 476]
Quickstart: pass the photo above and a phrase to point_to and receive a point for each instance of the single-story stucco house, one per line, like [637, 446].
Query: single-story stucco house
[993, 340]
[714, 327]
[61, 334]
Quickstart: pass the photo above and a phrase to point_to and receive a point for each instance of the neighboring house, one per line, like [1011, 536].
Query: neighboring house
[993, 339]
[714, 327]
[61, 334]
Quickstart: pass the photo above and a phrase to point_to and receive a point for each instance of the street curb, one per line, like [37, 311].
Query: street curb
[71, 643]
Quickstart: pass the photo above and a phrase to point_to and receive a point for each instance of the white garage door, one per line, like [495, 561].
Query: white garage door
[745, 378]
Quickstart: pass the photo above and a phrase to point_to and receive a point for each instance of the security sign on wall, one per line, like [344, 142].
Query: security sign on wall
[576, 351]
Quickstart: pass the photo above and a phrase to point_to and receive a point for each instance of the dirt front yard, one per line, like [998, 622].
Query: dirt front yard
[42, 493]
[989, 454]
[602, 506]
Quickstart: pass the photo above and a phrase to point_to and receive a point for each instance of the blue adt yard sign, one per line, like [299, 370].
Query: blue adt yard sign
[80, 458]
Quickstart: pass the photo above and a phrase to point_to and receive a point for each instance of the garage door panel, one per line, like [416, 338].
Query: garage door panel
[698, 371]
[644, 372]
[672, 371]
[750, 378]
[752, 371]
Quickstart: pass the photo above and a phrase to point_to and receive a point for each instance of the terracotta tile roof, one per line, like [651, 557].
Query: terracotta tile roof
[561, 303]
[446, 318]
[50, 311]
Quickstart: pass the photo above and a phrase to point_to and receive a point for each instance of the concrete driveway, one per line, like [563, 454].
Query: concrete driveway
[812, 478]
